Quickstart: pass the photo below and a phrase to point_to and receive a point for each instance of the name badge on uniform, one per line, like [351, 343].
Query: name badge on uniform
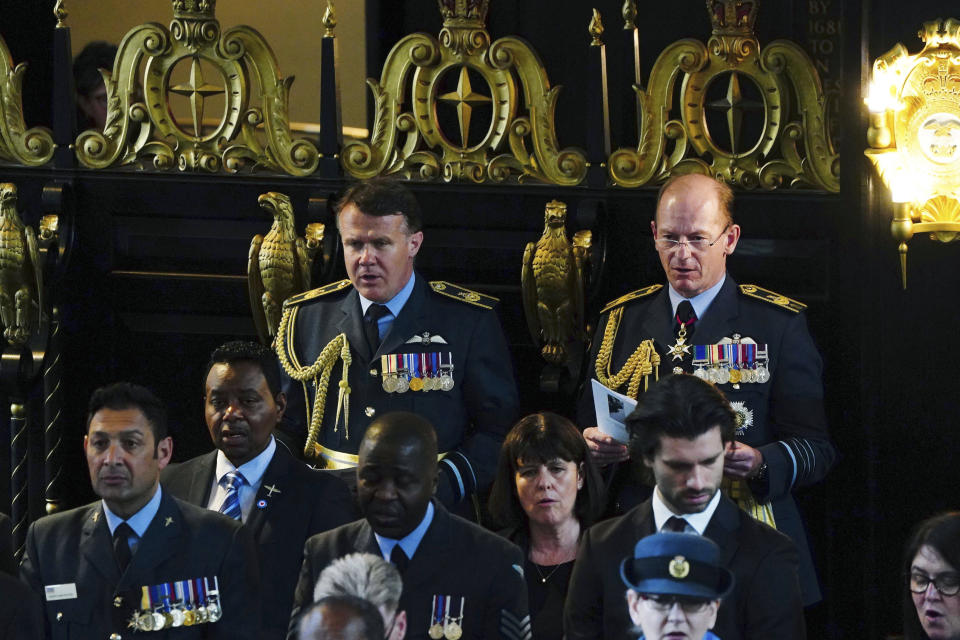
[55, 592]
[402, 372]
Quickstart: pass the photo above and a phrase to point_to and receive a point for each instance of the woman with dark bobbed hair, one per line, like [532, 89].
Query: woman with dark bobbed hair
[546, 492]
[931, 606]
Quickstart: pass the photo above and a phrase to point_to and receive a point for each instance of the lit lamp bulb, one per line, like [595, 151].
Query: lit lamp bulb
[878, 102]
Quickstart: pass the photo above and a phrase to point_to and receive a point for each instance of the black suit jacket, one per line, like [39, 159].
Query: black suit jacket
[181, 542]
[455, 558]
[306, 502]
[788, 423]
[471, 420]
[765, 603]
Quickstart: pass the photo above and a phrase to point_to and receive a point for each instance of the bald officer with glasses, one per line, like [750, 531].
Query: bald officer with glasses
[751, 342]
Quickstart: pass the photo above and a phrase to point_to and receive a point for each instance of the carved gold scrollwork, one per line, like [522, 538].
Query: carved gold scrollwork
[463, 71]
[140, 124]
[32, 147]
[777, 86]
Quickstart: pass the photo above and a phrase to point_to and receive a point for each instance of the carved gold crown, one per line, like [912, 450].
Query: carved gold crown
[733, 17]
[940, 32]
[464, 10]
[194, 9]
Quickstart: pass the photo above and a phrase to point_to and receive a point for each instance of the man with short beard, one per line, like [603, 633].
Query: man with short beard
[681, 430]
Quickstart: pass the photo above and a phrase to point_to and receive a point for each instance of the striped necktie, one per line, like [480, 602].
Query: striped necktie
[231, 504]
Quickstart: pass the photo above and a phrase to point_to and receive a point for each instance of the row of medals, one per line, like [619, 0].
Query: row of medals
[731, 375]
[176, 617]
[444, 625]
[401, 383]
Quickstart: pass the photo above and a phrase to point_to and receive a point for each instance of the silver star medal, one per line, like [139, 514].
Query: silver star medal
[744, 416]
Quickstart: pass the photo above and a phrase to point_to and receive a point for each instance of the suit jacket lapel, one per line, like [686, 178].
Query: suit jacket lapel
[366, 542]
[643, 521]
[96, 544]
[352, 325]
[410, 319]
[160, 541]
[202, 479]
[716, 322]
[272, 486]
[723, 528]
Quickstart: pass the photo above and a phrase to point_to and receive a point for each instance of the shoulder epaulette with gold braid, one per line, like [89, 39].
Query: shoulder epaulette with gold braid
[316, 293]
[463, 294]
[772, 297]
[633, 295]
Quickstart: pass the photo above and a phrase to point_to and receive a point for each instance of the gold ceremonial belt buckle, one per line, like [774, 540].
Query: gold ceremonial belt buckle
[340, 460]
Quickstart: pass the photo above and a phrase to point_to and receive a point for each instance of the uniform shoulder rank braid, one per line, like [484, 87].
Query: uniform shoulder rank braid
[333, 287]
[319, 372]
[642, 362]
[772, 297]
[463, 294]
[633, 295]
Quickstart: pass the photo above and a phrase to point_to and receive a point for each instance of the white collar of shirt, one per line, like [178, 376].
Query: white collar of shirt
[699, 521]
[701, 302]
[138, 521]
[395, 304]
[252, 470]
[411, 541]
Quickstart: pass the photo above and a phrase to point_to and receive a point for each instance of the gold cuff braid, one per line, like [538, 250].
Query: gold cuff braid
[642, 362]
[319, 372]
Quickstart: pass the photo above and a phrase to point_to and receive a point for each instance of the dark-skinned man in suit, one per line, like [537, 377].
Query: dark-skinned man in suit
[280, 499]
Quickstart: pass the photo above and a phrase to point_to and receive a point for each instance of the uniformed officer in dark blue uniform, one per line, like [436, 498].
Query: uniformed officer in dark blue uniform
[752, 343]
[386, 339]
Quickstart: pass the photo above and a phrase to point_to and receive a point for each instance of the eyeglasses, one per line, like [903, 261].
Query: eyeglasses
[694, 244]
[665, 602]
[948, 584]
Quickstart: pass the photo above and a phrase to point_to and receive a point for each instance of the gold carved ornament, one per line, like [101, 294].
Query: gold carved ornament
[140, 123]
[21, 272]
[552, 284]
[278, 264]
[464, 72]
[319, 373]
[642, 362]
[914, 135]
[31, 147]
[778, 84]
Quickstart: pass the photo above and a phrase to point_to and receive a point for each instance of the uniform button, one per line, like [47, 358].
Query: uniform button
[118, 602]
[370, 411]
[59, 616]
[373, 373]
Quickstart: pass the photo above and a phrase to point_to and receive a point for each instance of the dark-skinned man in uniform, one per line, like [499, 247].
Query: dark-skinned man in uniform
[459, 580]
[386, 340]
[252, 477]
[751, 342]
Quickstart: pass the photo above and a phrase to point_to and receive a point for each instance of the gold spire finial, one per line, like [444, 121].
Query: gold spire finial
[629, 12]
[329, 20]
[61, 13]
[596, 29]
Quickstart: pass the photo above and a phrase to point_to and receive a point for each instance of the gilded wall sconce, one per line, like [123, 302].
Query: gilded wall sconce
[914, 135]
